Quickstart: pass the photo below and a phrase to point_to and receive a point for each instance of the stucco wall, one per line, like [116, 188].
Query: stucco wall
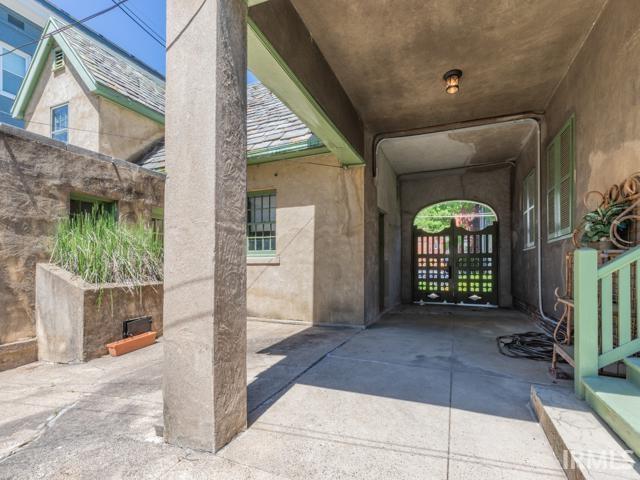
[491, 186]
[59, 87]
[125, 132]
[37, 175]
[524, 262]
[601, 88]
[317, 274]
[95, 123]
[388, 198]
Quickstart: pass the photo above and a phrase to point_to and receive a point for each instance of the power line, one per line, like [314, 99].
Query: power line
[66, 27]
[148, 30]
[8, 114]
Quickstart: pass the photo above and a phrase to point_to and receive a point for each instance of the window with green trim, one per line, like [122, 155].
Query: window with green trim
[261, 223]
[157, 223]
[81, 204]
[560, 162]
[529, 209]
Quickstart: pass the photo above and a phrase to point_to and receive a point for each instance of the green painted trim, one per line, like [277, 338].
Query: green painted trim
[619, 353]
[85, 197]
[271, 68]
[561, 233]
[585, 290]
[259, 193]
[261, 253]
[627, 258]
[127, 102]
[286, 155]
[39, 61]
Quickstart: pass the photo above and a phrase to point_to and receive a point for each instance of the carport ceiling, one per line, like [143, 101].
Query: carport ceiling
[486, 144]
[390, 56]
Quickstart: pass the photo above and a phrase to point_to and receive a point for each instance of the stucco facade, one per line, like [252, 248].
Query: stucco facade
[95, 123]
[37, 177]
[606, 134]
[317, 273]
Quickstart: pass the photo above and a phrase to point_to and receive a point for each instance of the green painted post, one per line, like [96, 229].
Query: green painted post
[585, 296]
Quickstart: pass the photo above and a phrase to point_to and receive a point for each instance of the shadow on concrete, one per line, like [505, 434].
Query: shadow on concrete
[444, 356]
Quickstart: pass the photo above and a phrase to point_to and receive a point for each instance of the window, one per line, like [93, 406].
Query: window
[529, 209]
[16, 22]
[261, 223]
[14, 68]
[81, 204]
[560, 161]
[157, 223]
[60, 123]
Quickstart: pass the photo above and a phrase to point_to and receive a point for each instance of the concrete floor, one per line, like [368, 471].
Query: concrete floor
[422, 394]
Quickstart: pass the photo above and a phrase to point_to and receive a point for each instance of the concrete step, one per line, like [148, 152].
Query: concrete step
[586, 448]
[617, 401]
[633, 370]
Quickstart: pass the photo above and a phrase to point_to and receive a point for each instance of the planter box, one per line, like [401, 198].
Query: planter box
[73, 324]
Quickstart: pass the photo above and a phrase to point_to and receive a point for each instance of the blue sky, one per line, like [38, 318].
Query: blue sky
[120, 29]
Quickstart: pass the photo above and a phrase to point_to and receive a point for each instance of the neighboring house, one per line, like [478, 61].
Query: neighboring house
[21, 26]
[83, 90]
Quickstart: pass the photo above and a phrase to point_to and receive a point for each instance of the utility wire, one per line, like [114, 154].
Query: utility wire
[78, 129]
[65, 27]
[138, 21]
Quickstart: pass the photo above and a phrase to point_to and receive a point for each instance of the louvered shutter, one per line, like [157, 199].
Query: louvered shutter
[551, 190]
[565, 190]
[560, 154]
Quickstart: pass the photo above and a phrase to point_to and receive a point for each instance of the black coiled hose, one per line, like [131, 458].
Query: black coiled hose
[531, 345]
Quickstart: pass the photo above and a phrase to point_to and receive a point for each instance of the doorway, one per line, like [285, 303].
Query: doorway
[455, 254]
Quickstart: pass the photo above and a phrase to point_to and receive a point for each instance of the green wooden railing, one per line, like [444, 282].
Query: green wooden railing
[603, 315]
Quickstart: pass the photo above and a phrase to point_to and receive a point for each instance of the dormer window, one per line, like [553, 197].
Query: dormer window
[58, 59]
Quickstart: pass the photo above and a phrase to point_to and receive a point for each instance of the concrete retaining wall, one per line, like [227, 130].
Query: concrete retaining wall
[75, 320]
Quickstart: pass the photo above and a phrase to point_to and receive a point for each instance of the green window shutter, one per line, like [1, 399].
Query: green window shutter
[551, 191]
[560, 164]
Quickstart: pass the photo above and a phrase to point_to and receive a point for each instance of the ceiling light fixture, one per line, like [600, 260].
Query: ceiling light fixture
[452, 80]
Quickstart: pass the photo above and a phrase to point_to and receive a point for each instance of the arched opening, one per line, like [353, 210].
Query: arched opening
[456, 254]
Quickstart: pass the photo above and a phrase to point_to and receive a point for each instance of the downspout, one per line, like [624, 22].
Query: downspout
[539, 221]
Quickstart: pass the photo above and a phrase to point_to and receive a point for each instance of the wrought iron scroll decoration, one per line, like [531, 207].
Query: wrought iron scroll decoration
[627, 192]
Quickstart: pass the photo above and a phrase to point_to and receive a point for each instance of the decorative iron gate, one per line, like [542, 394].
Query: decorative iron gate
[456, 265]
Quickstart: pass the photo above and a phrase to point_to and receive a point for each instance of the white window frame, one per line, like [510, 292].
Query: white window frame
[529, 210]
[27, 58]
[66, 104]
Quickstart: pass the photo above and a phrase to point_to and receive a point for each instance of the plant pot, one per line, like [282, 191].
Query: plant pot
[130, 344]
[601, 245]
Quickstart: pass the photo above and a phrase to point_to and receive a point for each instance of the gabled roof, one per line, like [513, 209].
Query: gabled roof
[273, 133]
[104, 69]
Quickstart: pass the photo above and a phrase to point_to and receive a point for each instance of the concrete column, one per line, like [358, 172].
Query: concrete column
[204, 389]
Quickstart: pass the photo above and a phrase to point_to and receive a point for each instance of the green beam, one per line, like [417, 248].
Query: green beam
[274, 72]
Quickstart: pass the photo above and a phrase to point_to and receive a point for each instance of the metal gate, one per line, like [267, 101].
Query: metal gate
[456, 265]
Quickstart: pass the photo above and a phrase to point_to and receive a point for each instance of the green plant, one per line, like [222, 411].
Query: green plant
[597, 224]
[99, 249]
